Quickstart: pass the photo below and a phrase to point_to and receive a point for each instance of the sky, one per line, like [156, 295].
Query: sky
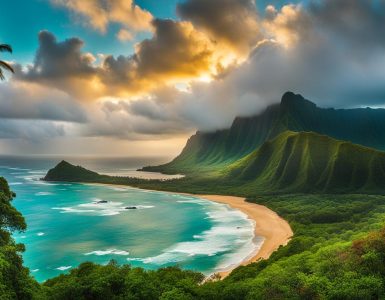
[137, 78]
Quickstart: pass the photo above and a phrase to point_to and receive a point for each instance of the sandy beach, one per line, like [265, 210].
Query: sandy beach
[275, 230]
[268, 224]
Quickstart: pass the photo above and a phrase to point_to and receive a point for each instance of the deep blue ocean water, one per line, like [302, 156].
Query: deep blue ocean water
[67, 223]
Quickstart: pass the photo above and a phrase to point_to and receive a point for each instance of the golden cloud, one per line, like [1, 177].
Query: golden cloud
[176, 53]
[179, 52]
[99, 13]
[286, 26]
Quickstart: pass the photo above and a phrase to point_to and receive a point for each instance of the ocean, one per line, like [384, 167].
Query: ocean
[71, 223]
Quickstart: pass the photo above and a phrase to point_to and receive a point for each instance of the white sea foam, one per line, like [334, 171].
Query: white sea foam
[15, 183]
[37, 172]
[40, 233]
[144, 206]
[73, 210]
[119, 189]
[44, 194]
[23, 236]
[194, 201]
[232, 236]
[111, 208]
[18, 169]
[63, 268]
[40, 182]
[35, 270]
[108, 252]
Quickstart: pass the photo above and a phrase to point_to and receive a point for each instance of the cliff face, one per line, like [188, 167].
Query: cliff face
[212, 151]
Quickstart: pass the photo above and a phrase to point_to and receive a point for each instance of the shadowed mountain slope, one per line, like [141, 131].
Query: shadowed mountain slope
[310, 162]
[212, 151]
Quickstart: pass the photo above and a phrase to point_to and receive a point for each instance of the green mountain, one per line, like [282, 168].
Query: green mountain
[213, 151]
[309, 162]
[292, 162]
[65, 171]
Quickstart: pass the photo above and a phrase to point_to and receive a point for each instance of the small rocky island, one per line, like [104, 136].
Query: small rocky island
[64, 171]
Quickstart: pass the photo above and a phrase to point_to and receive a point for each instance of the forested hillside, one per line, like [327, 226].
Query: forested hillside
[213, 150]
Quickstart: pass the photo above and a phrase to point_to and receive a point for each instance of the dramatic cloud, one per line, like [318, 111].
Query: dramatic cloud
[308, 50]
[233, 22]
[57, 60]
[288, 26]
[152, 117]
[176, 53]
[100, 13]
[219, 61]
[358, 22]
[30, 101]
[34, 131]
[60, 65]
[319, 51]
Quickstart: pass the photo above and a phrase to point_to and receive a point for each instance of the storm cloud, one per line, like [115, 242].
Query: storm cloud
[234, 22]
[176, 52]
[222, 59]
[30, 101]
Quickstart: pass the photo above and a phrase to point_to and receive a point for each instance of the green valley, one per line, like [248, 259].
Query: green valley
[323, 170]
[293, 162]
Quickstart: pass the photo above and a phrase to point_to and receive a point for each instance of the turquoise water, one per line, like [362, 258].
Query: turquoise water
[68, 225]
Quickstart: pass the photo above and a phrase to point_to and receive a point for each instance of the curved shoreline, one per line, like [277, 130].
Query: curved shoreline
[275, 230]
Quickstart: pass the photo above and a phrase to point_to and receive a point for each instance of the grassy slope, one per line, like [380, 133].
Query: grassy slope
[293, 162]
[205, 152]
[320, 262]
[309, 162]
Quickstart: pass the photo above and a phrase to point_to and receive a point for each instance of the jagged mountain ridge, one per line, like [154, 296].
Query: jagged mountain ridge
[210, 151]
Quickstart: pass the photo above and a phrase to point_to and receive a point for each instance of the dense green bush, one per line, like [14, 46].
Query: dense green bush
[15, 282]
[320, 262]
[337, 252]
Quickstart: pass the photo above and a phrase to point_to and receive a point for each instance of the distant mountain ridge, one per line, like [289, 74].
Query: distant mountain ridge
[292, 162]
[292, 147]
[212, 151]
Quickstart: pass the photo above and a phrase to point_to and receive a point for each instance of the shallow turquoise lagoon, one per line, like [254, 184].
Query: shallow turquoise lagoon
[72, 223]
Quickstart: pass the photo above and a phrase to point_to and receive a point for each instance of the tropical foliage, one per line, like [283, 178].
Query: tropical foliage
[4, 65]
[338, 252]
[15, 281]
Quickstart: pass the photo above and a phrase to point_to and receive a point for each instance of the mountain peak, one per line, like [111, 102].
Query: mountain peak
[64, 171]
[63, 163]
[289, 99]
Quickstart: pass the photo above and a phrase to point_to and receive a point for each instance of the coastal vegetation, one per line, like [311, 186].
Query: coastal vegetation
[15, 281]
[327, 181]
[3, 64]
[337, 252]
[293, 162]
